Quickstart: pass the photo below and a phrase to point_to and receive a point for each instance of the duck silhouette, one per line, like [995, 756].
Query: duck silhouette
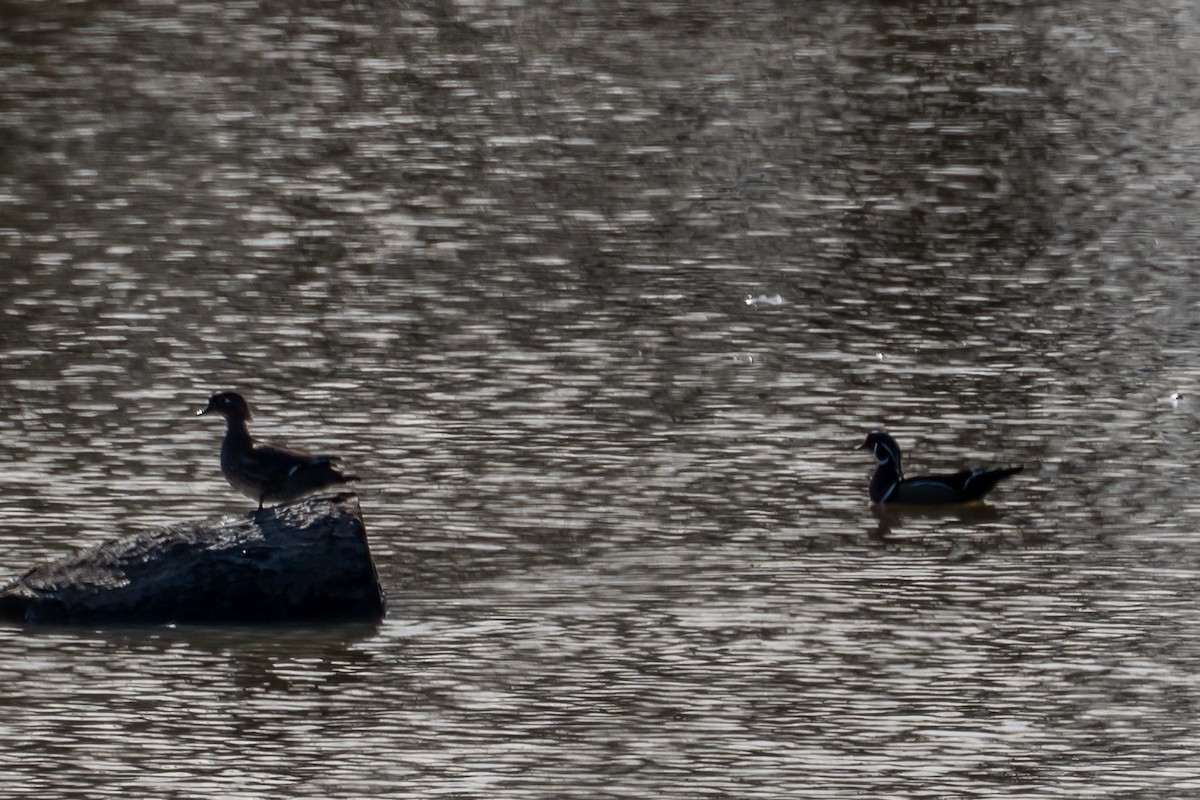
[263, 472]
[888, 484]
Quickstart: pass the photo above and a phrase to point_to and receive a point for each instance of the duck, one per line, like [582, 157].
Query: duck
[888, 484]
[263, 472]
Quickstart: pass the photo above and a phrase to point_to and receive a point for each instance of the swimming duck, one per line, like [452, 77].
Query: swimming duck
[888, 484]
[260, 471]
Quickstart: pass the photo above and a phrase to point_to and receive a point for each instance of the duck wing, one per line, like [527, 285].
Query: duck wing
[297, 471]
[964, 486]
[927, 489]
[981, 481]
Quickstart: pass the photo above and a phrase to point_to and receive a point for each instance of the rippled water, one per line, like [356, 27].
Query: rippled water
[598, 298]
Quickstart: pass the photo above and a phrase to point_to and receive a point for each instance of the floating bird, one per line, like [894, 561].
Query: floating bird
[764, 300]
[888, 484]
[260, 471]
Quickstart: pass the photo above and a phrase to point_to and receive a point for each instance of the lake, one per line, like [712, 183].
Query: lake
[598, 299]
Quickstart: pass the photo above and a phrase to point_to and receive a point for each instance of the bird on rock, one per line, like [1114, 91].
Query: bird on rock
[263, 472]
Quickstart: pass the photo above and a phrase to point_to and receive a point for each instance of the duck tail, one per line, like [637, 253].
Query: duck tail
[1005, 472]
[326, 467]
[984, 482]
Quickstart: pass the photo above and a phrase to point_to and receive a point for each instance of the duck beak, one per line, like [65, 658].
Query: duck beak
[862, 446]
[204, 411]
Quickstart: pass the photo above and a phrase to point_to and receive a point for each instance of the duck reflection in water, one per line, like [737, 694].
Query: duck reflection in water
[890, 519]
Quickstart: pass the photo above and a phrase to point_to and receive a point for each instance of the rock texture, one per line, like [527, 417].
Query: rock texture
[299, 563]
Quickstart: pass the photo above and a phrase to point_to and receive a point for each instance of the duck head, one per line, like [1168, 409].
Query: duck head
[884, 447]
[230, 405]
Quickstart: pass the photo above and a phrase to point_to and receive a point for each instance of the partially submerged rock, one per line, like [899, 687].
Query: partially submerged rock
[299, 563]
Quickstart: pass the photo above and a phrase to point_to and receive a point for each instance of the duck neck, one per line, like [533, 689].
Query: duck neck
[884, 481]
[237, 435]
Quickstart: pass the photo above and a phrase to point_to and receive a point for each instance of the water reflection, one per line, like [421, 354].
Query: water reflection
[598, 302]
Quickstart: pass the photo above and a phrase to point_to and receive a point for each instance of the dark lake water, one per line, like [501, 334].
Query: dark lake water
[598, 299]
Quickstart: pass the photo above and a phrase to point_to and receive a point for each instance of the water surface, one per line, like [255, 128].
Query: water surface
[598, 299]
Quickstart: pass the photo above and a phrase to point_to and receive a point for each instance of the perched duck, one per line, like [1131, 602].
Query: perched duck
[262, 472]
[888, 484]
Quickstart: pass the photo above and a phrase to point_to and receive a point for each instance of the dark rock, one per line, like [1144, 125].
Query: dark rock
[299, 563]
